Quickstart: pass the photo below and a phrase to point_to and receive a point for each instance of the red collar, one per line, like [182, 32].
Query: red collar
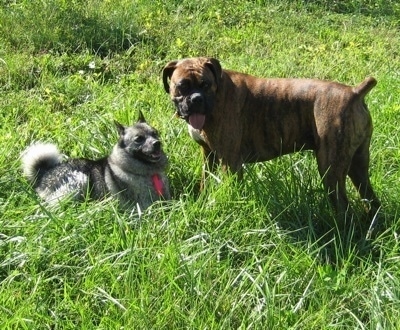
[157, 184]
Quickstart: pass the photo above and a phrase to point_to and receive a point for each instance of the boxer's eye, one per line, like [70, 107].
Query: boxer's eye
[183, 87]
[205, 85]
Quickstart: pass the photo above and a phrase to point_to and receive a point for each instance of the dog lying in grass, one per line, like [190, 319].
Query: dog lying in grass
[134, 172]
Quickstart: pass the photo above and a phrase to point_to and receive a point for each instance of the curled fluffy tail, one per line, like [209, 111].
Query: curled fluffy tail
[39, 157]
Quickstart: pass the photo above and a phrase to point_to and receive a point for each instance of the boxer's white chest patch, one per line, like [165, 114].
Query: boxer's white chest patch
[196, 134]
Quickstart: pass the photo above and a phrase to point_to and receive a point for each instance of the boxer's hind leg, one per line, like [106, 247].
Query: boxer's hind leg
[333, 167]
[359, 175]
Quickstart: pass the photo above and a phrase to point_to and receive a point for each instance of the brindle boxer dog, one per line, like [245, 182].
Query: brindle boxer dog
[238, 118]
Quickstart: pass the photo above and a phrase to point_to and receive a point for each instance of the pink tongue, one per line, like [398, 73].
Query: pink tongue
[197, 120]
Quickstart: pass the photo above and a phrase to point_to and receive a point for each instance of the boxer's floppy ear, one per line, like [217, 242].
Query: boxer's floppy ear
[167, 73]
[215, 67]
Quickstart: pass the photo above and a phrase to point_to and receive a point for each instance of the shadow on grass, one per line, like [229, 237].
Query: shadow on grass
[298, 204]
[371, 8]
[68, 27]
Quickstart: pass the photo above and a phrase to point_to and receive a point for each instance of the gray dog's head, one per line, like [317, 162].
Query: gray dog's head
[192, 84]
[141, 141]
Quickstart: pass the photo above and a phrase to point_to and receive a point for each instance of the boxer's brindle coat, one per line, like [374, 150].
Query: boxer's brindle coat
[238, 118]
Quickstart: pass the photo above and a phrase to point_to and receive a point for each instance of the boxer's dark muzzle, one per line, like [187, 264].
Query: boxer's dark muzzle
[193, 108]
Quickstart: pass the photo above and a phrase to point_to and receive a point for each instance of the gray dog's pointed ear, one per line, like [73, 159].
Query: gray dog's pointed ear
[167, 73]
[141, 118]
[215, 66]
[120, 128]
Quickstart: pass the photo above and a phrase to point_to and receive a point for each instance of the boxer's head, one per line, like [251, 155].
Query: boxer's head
[192, 84]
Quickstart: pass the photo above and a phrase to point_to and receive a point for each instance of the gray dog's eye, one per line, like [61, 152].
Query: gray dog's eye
[139, 139]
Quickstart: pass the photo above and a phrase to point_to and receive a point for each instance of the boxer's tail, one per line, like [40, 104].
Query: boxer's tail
[364, 88]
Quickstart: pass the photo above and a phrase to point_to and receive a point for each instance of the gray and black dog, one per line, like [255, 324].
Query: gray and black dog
[134, 172]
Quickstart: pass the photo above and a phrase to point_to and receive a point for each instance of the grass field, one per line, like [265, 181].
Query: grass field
[261, 254]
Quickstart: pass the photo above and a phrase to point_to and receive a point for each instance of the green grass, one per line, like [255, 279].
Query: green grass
[262, 254]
